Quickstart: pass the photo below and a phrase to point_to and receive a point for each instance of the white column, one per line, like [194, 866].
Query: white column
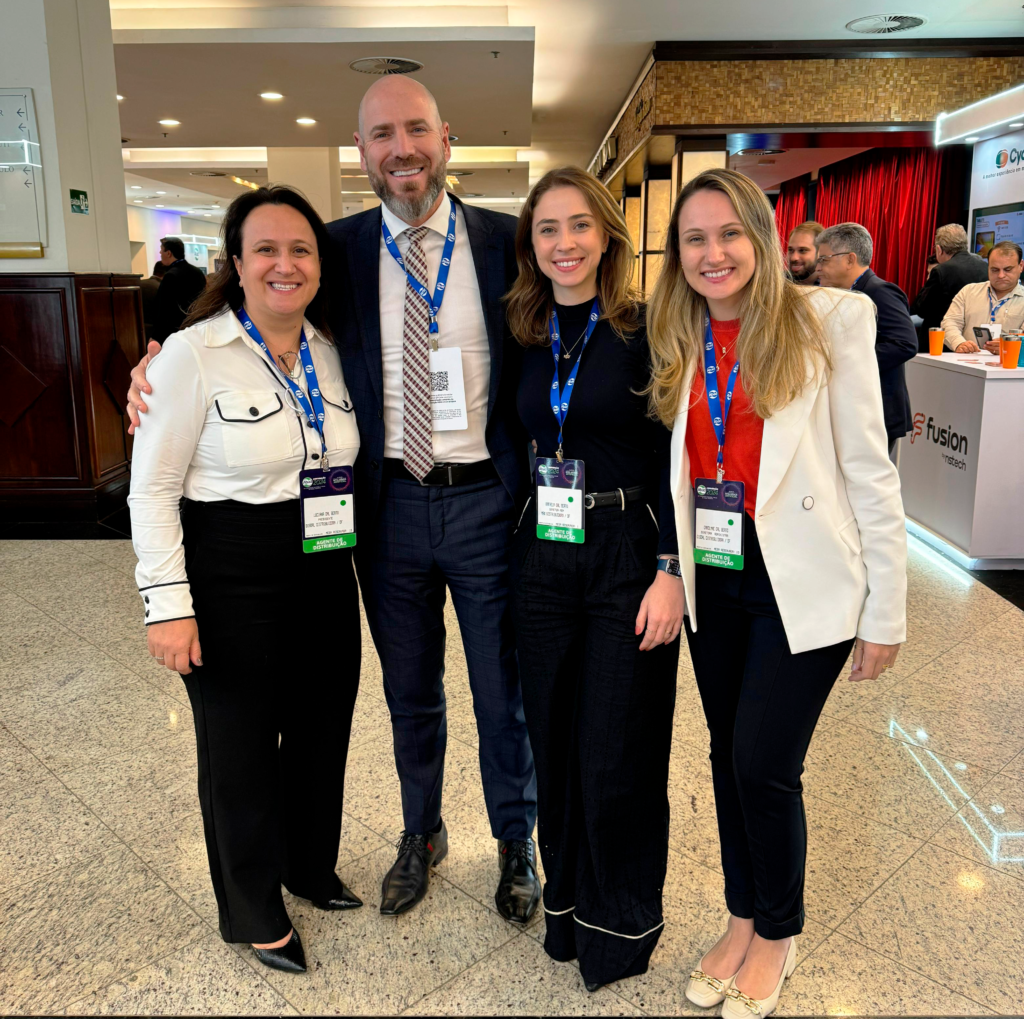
[64, 51]
[316, 172]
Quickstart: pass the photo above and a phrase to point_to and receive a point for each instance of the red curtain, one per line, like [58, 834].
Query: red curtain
[894, 194]
[791, 208]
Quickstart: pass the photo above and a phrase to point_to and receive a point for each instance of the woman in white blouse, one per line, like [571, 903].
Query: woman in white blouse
[247, 399]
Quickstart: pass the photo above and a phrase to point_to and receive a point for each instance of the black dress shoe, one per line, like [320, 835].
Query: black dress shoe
[346, 899]
[518, 887]
[289, 957]
[407, 881]
[592, 987]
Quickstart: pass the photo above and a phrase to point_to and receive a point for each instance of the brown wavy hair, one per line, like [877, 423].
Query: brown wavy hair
[224, 289]
[782, 341]
[531, 301]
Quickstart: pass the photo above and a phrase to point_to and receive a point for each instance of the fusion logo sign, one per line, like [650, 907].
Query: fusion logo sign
[945, 437]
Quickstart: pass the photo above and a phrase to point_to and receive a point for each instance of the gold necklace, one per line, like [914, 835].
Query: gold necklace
[573, 347]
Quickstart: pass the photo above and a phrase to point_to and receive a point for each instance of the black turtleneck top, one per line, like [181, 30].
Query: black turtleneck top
[607, 426]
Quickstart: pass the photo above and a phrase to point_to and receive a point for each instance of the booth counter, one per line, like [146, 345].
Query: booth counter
[962, 467]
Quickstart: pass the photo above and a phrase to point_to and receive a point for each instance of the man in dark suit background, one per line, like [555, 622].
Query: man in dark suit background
[181, 285]
[150, 287]
[844, 254]
[437, 508]
[956, 268]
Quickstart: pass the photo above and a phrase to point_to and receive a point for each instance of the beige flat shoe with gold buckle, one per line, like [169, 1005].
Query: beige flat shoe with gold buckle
[707, 991]
[739, 1006]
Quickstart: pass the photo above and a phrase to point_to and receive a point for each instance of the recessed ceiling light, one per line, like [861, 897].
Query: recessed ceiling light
[207, 214]
[136, 187]
[973, 138]
[137, 201]
[1019, 123]
[170, 123]
[157, 206]
[271, 95]
[161, 192]
[119, 98]
[305, 120]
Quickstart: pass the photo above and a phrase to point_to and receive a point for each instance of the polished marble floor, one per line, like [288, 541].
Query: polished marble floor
[915, 805]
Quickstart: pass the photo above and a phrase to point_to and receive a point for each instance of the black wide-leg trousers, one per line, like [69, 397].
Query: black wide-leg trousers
[762, 703]
[280, 637]
[599, 714]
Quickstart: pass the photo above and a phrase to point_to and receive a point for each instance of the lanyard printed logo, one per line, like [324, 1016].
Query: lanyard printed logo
[719, 416]
[314, 413]
[560, 399]
[434, 305]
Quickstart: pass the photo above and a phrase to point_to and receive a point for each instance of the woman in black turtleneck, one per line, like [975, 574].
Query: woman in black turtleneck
[597, 608]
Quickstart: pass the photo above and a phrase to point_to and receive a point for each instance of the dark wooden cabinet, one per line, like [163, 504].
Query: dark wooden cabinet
[67, 344]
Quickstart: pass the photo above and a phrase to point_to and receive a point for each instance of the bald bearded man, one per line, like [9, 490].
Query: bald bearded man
[442, 476]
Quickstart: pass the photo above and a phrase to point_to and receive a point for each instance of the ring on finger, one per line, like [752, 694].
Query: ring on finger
[159, 658]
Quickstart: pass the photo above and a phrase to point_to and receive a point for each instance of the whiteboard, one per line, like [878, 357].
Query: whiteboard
[22, 196]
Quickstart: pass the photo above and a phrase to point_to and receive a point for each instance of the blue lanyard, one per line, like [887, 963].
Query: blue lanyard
[560, 399]
[442, 271]
[315, 413]
[992, 311]
[718, 415]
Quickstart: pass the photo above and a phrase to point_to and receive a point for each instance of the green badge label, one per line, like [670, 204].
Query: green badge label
[328, 542]
[550, 532]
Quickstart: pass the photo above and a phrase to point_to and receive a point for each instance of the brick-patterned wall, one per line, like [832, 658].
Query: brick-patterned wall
[878, 90]
[636, 122]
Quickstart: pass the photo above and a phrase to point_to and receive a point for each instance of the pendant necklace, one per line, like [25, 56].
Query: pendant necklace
[290, 363]
[573, 347]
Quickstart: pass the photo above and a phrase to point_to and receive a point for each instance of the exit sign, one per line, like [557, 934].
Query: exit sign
[80, 202]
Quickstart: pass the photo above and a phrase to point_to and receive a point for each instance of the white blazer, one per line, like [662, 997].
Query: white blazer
[829, 513]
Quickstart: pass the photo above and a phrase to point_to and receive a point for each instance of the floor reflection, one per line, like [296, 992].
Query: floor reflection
[1000, 846]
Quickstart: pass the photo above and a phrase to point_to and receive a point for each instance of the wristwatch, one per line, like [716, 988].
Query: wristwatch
[670, 564]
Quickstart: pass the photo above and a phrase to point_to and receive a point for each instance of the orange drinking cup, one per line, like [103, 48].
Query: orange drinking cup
[936, 338]
[1010, 350]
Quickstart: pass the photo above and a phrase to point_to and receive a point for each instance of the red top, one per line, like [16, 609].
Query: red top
[743, 428]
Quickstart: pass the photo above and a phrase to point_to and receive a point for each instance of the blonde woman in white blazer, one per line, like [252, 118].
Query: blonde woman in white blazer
[820, 569]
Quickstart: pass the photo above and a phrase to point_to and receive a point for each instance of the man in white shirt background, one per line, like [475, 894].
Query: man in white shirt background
[437, 505]
[999, 301]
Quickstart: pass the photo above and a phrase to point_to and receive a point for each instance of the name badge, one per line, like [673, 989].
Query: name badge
[718, 526]
[447, 391]
[327, 508]
[560, 493]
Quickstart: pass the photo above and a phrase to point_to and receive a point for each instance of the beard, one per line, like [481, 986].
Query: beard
[412, 204]
[803, 273]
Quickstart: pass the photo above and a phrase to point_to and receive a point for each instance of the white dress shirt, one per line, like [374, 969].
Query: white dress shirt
[222, 424]
[460, 324]
[971, 308]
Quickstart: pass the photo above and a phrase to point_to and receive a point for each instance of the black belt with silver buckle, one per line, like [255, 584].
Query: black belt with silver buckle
[444, 475]
[619, 497]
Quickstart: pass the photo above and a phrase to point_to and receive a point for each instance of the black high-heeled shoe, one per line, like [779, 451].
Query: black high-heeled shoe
[346, 899]
[289, 957]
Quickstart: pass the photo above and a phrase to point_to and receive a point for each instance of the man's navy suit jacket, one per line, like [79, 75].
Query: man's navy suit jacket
[895, 344]
[354, 314]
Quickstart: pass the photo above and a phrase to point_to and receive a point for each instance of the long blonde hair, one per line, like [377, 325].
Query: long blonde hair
[780, 337]
[530, 300]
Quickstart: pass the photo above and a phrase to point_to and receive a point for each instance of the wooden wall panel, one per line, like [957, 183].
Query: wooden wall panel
[67, 344]
[37, 414]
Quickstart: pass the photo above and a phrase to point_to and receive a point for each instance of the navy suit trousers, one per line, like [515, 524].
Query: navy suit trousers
[425, 540]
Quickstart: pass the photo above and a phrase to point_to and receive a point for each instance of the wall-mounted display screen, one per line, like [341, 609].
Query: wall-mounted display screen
[994, 224]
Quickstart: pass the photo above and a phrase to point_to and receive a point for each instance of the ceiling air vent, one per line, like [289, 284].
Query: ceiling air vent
[206, 173]
[386, 65]
[885, 24]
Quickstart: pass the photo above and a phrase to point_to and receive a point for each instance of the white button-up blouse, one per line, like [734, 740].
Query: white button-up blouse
[222, 424]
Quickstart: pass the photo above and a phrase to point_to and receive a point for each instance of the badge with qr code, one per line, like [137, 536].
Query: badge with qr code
[447, 390]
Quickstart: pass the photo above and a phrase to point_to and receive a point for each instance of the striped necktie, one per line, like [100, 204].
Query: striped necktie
[417, 446]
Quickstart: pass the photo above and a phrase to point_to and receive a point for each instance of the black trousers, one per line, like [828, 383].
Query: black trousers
[273, 701]
[761, 703]
[599, 714]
